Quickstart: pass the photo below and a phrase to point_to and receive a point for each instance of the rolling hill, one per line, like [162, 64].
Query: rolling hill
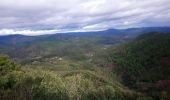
[21, 47]
[128, 64]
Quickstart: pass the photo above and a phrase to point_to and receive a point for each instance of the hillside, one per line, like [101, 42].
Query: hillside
[26, 48]
[85, 66]
[144, 63]
[26, 83]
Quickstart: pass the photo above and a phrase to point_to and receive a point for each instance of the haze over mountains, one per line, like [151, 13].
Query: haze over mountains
[111, 31]
[126, 33]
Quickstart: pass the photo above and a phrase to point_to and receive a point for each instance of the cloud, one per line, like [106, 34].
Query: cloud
[40, 32]
[41, 16]
[26, 32]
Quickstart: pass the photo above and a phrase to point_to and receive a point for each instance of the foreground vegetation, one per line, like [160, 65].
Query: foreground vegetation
[18, 83]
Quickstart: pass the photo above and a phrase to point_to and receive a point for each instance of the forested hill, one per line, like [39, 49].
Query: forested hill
[144, 63]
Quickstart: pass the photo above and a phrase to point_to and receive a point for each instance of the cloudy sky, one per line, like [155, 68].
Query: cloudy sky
[35, 17]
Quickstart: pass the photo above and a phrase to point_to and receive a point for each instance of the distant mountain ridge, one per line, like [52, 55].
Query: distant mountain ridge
[108, 31]
[140, 30]
[18, 39]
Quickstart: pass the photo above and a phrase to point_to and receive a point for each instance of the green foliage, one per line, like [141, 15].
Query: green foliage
[6, 65]
[40, 84]
[143, 62]
[8, 71]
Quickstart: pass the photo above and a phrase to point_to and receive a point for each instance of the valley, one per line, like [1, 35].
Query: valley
[106, 65]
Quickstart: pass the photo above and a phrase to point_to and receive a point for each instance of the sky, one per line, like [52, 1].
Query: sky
[38, 17]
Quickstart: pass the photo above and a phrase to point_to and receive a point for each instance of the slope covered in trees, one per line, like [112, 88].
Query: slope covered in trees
[23, 83]
[144, 63]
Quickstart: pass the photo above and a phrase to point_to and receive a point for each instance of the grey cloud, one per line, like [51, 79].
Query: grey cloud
[81, 15]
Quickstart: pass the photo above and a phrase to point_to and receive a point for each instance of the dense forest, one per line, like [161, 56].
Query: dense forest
[86, 67]
[144, 63]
